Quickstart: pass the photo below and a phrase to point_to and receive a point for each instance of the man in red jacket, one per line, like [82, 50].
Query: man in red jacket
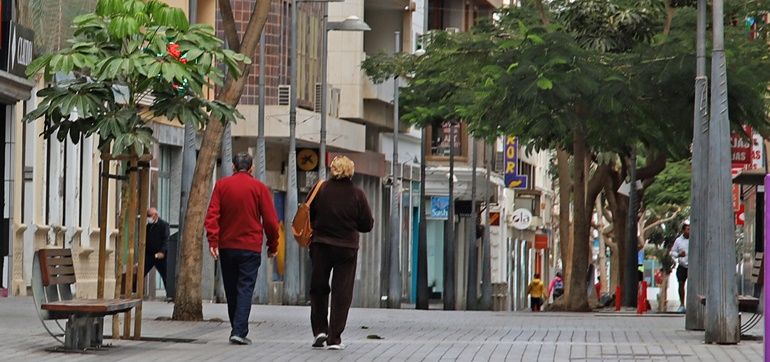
[240, 212]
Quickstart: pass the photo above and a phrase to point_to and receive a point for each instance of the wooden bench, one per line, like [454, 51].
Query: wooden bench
[750, 303]
[53, 275]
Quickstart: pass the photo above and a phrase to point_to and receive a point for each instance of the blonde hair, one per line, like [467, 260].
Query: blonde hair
[342, 167]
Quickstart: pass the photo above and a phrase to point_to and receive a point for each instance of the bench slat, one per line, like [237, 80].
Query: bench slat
[54, 262]
[63, 270]
[56, 252]
[96, 306]
[56, 266]
[61, 279]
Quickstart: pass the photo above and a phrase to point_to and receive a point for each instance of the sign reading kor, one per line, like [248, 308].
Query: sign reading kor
[20, 49]
[511, 157]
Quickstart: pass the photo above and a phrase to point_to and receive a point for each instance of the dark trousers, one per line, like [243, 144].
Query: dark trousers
[158, 264]
[342, 261]
[239, 274]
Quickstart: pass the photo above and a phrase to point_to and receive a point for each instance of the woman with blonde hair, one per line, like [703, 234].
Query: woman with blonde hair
[338, 214]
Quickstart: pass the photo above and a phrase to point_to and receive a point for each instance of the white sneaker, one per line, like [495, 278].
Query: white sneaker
[319, 340]
[336, 347]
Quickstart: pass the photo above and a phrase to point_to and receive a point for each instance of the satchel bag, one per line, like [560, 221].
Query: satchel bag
[300, 226]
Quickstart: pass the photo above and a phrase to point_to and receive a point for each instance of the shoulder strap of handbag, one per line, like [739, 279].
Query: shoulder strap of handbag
[315, 191]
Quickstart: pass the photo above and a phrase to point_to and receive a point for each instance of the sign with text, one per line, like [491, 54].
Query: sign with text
[746, 149]
[511, 161]
[439, 207]
[20, 49]
[522, 219]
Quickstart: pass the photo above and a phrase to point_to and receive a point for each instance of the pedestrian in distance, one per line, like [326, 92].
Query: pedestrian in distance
[680, 252]
[240, 212]
[536, 291]
[556, 288]
[338, 214]
[157, 244]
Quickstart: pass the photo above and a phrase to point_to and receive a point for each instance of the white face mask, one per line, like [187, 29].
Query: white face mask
[151, 221]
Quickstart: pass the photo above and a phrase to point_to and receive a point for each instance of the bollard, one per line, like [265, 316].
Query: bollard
[618, 298]
[639, 300]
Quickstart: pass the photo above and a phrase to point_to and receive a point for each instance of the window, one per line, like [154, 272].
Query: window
[438, 133]
[308, 65]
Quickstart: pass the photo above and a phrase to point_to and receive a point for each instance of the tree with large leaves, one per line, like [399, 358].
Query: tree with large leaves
[131, 61]
[586, 94]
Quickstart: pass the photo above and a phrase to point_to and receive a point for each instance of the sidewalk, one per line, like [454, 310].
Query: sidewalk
[282, 333]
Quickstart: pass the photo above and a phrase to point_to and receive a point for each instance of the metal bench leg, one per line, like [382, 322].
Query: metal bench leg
[83, 333]
[75, 335]
[97, 332]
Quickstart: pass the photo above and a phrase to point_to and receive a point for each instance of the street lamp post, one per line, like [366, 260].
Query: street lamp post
[721, 322]
[291, 274]
[394, 279]
[352, 23]
[696, 285]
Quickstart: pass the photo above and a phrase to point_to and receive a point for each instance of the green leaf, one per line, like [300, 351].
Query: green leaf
[544, 83]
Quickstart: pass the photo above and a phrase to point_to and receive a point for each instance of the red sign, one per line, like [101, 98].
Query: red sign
[740, 146]
[541, 241]
[494, 218]
[740, 216]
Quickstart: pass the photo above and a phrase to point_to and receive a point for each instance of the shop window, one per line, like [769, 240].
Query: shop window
[439, 132]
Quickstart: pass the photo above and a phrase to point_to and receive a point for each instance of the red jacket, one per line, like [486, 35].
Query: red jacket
[241, 209]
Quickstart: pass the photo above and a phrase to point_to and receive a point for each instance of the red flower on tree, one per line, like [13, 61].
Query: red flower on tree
[173, 50]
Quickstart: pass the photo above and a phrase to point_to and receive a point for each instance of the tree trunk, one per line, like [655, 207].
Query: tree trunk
[602, 249]
[619, 216]
[565, 233]
[663, 294]
[188, 304]
[669, 17]
[576, 295]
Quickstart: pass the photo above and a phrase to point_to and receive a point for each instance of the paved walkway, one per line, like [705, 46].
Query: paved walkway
[282, 333]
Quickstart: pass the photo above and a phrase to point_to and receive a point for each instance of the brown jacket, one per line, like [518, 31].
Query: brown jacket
[339, 213]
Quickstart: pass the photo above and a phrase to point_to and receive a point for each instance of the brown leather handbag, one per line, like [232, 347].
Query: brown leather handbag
[300, 226]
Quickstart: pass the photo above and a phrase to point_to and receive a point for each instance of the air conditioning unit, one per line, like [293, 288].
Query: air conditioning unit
[284, 95]
[318, 101]
[452, 30]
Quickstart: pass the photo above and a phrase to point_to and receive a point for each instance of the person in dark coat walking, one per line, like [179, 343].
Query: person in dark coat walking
[241, 211]
[338, 214]
[156, 248]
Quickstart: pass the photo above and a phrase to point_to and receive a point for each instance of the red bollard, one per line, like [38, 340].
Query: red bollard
[618, 298]
[641, 300]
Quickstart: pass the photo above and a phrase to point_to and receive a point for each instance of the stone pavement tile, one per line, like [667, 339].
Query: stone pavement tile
[547, 352]
[282, 333]
[484, 351]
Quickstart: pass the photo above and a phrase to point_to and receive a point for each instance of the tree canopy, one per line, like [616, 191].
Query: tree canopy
[126, 54]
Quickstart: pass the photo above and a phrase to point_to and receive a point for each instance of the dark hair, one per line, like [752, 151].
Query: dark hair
[537, 275]
[242, 161]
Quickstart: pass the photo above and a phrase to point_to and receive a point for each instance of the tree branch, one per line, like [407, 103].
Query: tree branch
[652, 167]
[228, 24]
[542, 13]
[596, 183]
[669, 17]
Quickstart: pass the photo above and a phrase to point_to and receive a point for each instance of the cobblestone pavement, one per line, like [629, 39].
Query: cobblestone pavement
[282, 333]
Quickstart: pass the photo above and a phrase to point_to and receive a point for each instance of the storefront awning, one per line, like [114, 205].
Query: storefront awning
[14, 88]
[750, 177]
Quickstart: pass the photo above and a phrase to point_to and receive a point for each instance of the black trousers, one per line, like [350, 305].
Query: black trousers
[325, 259]
[239, 274]
[159, 264]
